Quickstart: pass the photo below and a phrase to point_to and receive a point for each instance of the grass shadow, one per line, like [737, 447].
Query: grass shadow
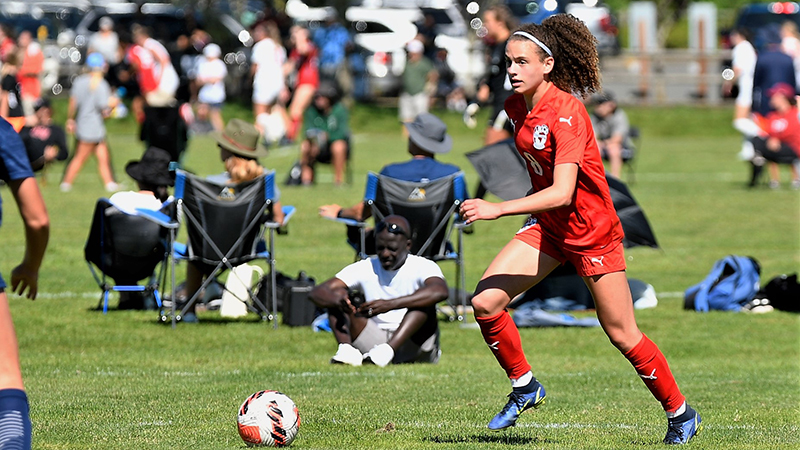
[487, 438]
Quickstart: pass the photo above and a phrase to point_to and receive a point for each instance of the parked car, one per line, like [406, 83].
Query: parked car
[52, 24]
[533, 11]
[757, 17]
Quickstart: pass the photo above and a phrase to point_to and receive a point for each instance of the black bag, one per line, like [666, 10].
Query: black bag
[783, 293]
[298, 310]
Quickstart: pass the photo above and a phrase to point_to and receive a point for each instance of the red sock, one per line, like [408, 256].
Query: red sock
[294, 127]
[502, 337]
[652, 367]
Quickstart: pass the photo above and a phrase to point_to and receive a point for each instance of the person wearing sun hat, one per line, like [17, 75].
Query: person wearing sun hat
[239, 147]
[152, 177]
[427, 137]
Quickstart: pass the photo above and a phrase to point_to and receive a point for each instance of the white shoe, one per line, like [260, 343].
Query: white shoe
[65, 187]
[112, 187]
[347, 354]
[380, 355]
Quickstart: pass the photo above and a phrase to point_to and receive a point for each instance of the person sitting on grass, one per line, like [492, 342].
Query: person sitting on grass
[781, 143]
[327, 134]
[396, 323]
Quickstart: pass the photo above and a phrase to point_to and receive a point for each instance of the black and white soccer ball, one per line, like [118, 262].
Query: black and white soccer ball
[268, 418]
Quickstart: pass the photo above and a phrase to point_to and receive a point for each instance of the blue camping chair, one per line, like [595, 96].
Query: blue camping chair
[226, 226]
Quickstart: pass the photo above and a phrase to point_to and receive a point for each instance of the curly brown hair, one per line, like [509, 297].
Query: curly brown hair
[576, 64]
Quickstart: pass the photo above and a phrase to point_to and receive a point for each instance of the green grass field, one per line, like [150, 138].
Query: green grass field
[125, 381]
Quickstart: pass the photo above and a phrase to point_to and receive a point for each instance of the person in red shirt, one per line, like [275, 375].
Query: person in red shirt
[571, 219]
[303, 62]
[30, 70]
[781, 144]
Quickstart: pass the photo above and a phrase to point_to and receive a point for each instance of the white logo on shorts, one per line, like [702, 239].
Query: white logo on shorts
[528, 223]
[598, 260]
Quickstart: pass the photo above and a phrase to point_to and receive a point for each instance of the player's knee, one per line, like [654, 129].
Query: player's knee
[485, 304]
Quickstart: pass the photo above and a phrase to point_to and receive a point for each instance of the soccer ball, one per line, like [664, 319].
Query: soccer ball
[268, 418]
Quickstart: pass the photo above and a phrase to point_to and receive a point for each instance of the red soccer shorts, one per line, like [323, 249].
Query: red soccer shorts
[601, 261]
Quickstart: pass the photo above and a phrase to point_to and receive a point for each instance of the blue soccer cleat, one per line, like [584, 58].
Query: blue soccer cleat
[517, 403]
[684, 427]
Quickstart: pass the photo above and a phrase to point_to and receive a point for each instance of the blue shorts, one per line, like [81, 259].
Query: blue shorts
[2, 283]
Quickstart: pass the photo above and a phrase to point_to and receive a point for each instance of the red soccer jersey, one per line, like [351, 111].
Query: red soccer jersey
[144, 62]
[785, 127]
[558, 131]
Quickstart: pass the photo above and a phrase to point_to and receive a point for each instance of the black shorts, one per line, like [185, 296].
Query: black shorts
[325, 155]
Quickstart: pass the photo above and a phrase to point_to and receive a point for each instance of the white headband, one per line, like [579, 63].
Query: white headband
[536, 41]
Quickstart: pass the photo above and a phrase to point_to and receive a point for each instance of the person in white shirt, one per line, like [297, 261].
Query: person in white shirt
[743, 64]
[267, 60]
[211, 73]
[163, 72]
[106, 41]
[383, 309]
[152, 178]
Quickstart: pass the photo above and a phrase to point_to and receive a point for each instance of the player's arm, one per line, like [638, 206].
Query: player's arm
[555, 196]
[31, 206]
[433, 291]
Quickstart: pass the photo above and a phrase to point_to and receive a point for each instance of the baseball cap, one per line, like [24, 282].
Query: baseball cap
[212, 51]
[95, 61]
[415, 46]
[781, 88]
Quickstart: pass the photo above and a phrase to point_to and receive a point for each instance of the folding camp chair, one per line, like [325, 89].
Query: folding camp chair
[126, 248]
[431, 208]
[225, 224]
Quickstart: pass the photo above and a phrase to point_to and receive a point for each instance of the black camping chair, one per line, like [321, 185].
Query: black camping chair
[431, 208]
[630, 153]
[226, 224]
[126, 248]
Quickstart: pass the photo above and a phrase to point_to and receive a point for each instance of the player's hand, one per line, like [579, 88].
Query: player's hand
[24, 279]
[476, 209]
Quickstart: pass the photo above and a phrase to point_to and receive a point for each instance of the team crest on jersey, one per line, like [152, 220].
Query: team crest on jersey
[540, 133]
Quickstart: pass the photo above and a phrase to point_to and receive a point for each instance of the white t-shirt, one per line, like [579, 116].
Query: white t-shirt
[743, 61]
[269, 59]
[129, 201]
[376, 283]
[212, 93]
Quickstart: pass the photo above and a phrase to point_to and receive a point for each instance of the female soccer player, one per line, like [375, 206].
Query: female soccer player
[572, 219]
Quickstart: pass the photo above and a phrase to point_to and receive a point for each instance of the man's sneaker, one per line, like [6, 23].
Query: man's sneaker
[380, 355]
[684, 427]
[347, 354]
[517, 403]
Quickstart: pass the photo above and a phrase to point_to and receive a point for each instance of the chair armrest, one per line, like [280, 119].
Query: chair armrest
[288, 212]
[347, 221]
[157, 217]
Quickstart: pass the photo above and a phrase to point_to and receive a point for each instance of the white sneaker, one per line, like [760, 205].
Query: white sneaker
[112, 187]
[65, 187]
[347, 354]
[380, 355]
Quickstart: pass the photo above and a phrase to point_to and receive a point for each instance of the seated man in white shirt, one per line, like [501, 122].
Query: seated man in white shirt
[383, 309]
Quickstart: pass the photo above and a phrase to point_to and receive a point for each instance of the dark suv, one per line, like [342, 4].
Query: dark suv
[757, 17]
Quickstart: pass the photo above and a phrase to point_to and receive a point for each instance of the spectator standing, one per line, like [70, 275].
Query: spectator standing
[211, 73]
[106, 42]
[790, 44]
[611, 131]
[447, 87]
[773, 66]
[10, 95]
[743, 64]
[303, 67]
[45, 141]
[327, 134]
[419, 83]
[163, 73]
[7, 44]
[397, 321]
[334, 43]
[15, 171]
[426, 33]
[30, 71]
[267, 60]
[781, 145]
[90, 102]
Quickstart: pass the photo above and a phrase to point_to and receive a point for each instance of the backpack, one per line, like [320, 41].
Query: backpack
[732, 282]
[783, 293]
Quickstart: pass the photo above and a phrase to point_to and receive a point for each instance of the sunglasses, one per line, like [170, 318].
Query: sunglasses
[392, 228]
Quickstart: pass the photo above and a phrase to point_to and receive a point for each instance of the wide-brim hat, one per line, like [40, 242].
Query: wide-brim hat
[241, 138]
[152, 169]
[429, 133]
